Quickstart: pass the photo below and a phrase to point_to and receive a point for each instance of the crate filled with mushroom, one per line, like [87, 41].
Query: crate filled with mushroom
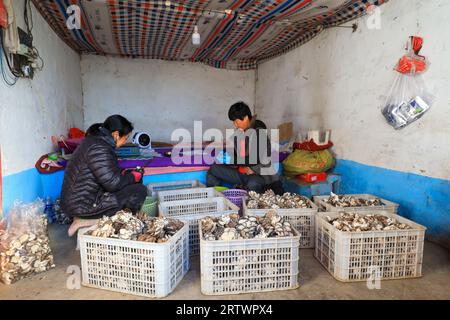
[155, 188]
[248, 254]
[194, 210]
[359, 246]
[298, 210]
[137, 255]
[24, 243]
[354, 202]
[188, 194]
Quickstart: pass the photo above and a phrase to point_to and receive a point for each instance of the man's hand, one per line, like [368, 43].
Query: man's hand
[246, 170]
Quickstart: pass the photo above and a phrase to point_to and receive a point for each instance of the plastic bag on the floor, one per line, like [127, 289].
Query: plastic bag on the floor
[24, 244]
[60, 216]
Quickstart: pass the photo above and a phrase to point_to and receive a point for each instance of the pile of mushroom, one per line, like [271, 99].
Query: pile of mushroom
[123, 225]
[353, 222]
[269, 200]
[344, 201]
[160, 230]
[233, 227]
[23, 253]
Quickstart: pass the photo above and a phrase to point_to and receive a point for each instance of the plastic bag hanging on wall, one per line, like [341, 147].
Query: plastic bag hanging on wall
[3, 16]
[409, 98]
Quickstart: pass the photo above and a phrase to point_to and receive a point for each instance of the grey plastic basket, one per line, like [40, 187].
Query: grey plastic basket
[154, 188]
[188, 194]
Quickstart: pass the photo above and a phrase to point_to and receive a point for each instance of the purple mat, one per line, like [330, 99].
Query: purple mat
[159, 162]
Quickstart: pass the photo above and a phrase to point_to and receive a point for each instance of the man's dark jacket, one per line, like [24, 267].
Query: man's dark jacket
[256, 158]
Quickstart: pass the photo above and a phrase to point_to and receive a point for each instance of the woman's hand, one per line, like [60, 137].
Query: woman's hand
[137, 176]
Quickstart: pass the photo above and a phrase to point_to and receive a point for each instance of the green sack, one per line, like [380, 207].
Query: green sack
[301, 161]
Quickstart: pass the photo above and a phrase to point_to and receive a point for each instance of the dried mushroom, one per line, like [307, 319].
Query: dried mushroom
[160, 230]
[233, 227]
[343, 201]
[123, 225]
[25, 253]
[353, 222]
[269, 200]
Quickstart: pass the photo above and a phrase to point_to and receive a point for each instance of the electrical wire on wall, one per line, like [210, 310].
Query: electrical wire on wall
[28, 18]
[9, 75]
[15, 65]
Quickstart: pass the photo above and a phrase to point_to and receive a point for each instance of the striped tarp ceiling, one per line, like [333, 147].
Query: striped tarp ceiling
[236, 34]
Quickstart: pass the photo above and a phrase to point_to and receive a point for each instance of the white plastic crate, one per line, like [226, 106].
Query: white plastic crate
[250, 265]
[154, 188]
[387, 205]
[194, 240]
[303, 220]
[188, 194]
[194, 210]
[135, 267]
[359, 256]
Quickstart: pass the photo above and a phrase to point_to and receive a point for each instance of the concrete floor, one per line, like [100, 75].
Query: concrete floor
[315, 281]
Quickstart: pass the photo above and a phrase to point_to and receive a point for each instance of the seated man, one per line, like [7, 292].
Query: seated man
[251, 166]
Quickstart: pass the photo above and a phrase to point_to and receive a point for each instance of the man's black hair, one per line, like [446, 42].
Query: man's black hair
[238, 111]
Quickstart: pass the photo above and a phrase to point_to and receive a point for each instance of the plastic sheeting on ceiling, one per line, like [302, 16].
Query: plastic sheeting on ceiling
[252, 32]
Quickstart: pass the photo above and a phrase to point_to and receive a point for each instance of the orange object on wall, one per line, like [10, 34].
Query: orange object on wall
[411, 65]
[3, 16]
[417, 44]
[75, 133]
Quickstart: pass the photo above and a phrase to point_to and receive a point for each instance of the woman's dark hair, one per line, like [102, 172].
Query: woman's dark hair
[238, 111]
[113, 123]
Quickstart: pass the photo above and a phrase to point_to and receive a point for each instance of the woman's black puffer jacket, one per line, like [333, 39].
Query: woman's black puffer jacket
[92, 177]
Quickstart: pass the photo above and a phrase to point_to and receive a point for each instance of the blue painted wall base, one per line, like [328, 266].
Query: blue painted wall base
[28, 185]
[422, 199]
[24, 186]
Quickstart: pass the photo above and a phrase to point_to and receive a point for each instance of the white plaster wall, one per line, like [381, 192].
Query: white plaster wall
[340, 80]
[160, 96]
[34, 110]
